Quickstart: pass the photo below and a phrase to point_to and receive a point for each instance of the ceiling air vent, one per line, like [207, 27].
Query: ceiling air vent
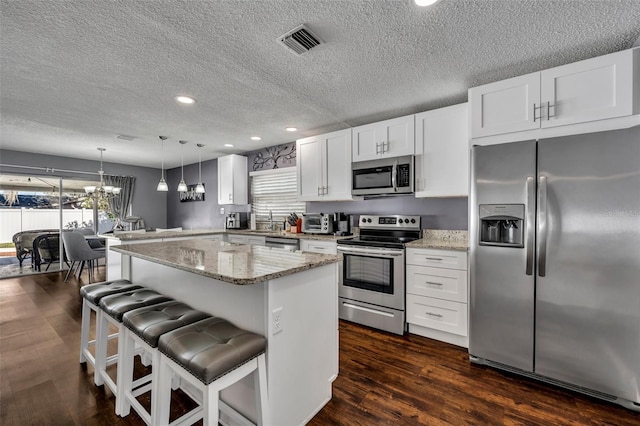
[300, 40]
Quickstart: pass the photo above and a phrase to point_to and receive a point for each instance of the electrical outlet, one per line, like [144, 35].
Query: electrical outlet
[221, 210]
[277, 320]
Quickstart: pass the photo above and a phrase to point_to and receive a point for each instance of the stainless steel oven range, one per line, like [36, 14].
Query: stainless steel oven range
[371, 284]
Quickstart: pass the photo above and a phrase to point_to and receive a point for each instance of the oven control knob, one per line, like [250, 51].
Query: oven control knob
[400, 221]
[364, 220]
[413, 221]
[369, 220]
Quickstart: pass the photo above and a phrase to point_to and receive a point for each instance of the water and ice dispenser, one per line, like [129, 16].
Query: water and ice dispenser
[502, 225]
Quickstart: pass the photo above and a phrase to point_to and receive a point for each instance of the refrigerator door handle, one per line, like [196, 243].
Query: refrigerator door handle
[530, 223]
[542, 221]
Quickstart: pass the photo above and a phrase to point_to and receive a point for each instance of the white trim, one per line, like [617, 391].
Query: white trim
[271, 171]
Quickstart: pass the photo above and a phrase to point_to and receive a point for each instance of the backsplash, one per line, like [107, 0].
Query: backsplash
[435, 213]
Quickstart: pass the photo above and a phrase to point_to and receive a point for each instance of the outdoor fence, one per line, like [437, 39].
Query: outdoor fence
[13, 221]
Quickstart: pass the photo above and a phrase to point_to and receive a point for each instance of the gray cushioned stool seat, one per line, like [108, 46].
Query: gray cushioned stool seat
[153, 321]
[118, 304]
[94, 292]
[211, 347]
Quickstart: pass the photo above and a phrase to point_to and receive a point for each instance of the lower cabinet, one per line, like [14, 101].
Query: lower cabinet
[437, 295]
[315, 246]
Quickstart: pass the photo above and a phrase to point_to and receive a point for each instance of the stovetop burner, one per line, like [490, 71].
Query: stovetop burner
[392, 231]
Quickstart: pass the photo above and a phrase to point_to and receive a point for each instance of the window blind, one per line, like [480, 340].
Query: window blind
[275, 190]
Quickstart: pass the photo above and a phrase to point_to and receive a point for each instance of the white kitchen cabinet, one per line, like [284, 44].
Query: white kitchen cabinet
[600, 88]
[437, 294]
[442, 152]
[384, 139]
[233, 180]
[323, 167]
[253, 240]
[315, 246]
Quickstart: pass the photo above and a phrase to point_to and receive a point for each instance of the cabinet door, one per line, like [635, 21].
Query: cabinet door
[233, 180]
[389, 138]
[442, 152]
[336, 168]
[309, 168]
[594, 89]
[505, 106]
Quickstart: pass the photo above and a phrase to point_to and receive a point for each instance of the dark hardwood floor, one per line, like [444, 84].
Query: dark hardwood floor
[384, 379]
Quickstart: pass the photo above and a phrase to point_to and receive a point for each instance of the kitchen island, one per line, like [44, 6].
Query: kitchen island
[289, 297]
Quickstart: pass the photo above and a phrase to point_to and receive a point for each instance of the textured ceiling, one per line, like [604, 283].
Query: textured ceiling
[75, 74]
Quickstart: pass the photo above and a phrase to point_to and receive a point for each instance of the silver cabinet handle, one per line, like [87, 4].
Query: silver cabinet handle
[542, 223]
[230, 197]
[319, 190]
[433, 283]
[529, 225]
[325, 190]
[438, 259]
[434, 315]
[535, 108]
[377, 148]
[385, 147]
[549, 106]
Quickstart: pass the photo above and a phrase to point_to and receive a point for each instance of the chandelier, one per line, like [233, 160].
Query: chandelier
[102, 191]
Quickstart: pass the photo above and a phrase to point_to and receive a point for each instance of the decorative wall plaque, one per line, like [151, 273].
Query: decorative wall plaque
[191, 194]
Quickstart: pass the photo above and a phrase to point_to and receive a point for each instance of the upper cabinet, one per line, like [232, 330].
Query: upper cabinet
[389, 138]
[600, 88]
[323, 167]
[233, 180]
[442, 152]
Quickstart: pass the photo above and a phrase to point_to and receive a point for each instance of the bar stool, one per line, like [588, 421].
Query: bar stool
[113, 308]
[91, 295]
[142, 328]
[210, 355]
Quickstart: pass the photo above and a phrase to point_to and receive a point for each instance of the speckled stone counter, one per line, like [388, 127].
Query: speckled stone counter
[442, 239]
[154, 235]
[232, 263]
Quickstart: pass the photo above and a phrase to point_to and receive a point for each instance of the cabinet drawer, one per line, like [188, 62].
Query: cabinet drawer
[238, 239]
[324, 247]
[437, 258]
[443, 315]
[441, 283]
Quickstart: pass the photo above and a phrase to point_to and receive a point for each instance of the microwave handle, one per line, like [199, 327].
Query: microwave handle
[394, 178]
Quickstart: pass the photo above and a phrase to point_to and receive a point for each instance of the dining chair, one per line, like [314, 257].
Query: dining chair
[78, 250]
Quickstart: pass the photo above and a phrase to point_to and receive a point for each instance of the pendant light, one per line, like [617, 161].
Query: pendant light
[182, 186]
[162, 185]
[200, 185]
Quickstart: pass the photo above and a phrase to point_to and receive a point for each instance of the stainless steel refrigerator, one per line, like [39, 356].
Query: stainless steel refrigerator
[555, 261]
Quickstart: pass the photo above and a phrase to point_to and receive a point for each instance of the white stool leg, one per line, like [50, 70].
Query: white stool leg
[210, 404]
[125, 371]
[102, 336]
[84, 331]
[260, 386]
[160, 410]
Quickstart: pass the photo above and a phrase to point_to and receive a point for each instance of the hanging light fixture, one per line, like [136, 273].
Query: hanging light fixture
[102, 191]
[162, 185]
[200, 185]
[182, 186]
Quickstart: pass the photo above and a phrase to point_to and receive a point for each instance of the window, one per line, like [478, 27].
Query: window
[275, 190]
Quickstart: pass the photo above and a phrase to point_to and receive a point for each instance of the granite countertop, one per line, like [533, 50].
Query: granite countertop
[442, 239]
[150, 235]
[233, 263]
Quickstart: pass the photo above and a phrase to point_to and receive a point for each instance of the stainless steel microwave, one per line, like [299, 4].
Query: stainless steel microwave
[384, 176]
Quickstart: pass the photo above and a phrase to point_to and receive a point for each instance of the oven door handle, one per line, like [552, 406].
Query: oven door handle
[372, 251]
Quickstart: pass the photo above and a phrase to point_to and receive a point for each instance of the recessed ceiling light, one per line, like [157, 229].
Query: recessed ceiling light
[256, 138]
[425, 2]
[185, 100]
[228, 145]
[291, 129]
